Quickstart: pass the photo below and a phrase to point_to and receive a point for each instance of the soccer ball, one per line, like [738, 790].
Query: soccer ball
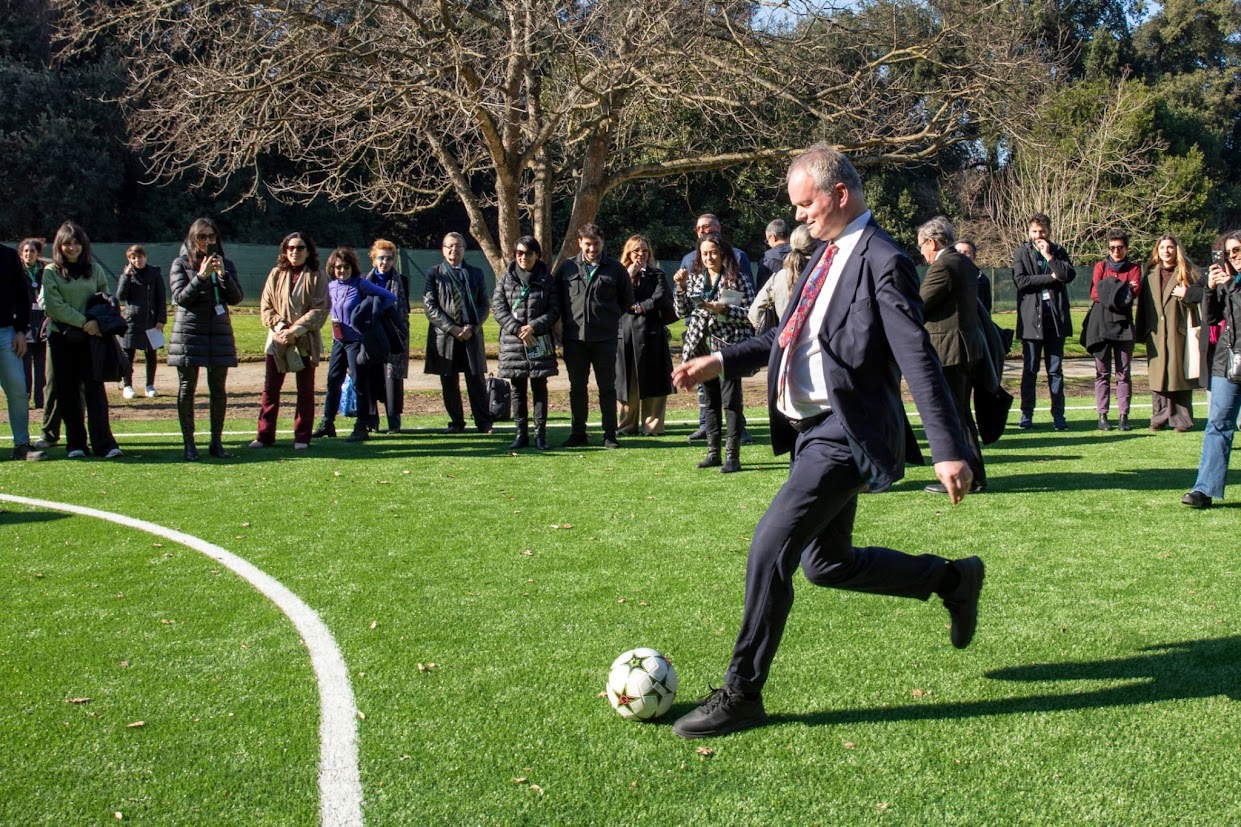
[642, 684]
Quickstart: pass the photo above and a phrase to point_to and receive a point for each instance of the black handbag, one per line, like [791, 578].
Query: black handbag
[499, 399]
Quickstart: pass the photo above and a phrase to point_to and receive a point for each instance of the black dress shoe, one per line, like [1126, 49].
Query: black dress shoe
[576, 441]
[1060, 425]
[191, 453]
[962, 602]
[731, 465]
[746, 439]
[610, 442]
[698, 435]
[455, 429]
[325, 429]
[522, 441]
[1196, 499]
[711, 460]
[359, 434]
[935, 488]
[216, 449]
[540, 441]
[978, 487]
[1124, 423]
[723, 711]
[1104, 425]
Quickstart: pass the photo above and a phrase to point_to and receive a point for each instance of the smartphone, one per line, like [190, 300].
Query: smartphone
[213, 249]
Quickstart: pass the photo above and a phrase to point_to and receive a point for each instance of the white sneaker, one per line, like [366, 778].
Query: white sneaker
[151, 392]
[113, 454]
[300, 446]
[127, 392]
[257, 444]
[76, 454]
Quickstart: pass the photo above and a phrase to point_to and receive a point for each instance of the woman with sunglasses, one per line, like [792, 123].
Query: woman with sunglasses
[204, 283]
[1221, 303]
[69, 284]
[1114, 289]
[293, 308]
[525, 305]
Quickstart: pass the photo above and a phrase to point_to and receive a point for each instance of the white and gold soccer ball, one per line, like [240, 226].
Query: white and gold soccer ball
[642, 684]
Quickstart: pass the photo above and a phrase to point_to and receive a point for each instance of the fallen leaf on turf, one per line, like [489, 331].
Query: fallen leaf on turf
[374, 623]
[120, 596]
[920, 693]
[361, 715]
[406, 757]
[849, 745]
[881, 806]
[383, 482]
[167, 622]
[602, 694]
[337, 474]
[124, 663]
[246, 524]
[157, 545]
[537, 788]
[521, 779]
[118, 815]
[166, 553]
[77, 700]
[527, 552]
[405, 472]
[705, 751]
[633, 785]
[643, 603]
[620, 600]
[136, 724]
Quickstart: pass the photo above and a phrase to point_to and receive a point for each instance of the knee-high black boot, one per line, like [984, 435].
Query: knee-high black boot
[732, 446]
[712, 427]
[219, 405]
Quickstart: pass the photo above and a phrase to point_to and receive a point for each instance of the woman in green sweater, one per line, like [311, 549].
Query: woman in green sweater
[68, 284]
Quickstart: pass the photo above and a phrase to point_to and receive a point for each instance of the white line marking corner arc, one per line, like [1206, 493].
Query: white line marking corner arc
[340, 786]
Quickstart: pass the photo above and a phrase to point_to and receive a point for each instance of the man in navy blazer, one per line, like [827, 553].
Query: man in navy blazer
[834, 365]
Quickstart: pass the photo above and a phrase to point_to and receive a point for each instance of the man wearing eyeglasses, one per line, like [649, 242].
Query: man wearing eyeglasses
[456, 305]
[1114, 289]
[390, 375]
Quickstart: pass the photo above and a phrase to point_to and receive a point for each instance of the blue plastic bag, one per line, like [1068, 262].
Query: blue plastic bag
[348, 398]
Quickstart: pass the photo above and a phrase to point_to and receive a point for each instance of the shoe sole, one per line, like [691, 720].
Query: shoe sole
[737, 726]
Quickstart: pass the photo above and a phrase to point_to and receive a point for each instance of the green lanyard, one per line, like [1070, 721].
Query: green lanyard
[709, 292]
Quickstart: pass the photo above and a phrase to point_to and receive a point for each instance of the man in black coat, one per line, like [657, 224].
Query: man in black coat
[949, 292]
[456, 304]
[1041, 273]
[834, 367]
[777, 248]
[14, 321]
[594, 292]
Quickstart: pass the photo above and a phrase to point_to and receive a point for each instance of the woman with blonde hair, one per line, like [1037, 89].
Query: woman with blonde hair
[387, 377]
[1168, 307]
[773, 296]
[643, 356]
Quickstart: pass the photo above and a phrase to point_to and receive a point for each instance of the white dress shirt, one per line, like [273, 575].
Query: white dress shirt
[805, 393]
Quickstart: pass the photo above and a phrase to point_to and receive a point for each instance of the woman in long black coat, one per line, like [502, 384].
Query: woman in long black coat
[204, 283]
[140, 290]
[526, 306]
[643, 357]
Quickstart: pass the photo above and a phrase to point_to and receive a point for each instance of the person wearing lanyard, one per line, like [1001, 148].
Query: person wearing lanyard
[35, 362]
[594, 292]
[14, 322]
[834, 368]
[526, 306]
[203, 284]
[1041, 273]
[456, 305]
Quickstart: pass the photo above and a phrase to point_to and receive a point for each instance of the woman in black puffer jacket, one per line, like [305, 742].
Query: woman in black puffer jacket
[525, 305]
[203, 284]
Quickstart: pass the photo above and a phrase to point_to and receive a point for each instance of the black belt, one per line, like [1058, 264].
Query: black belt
[803, 425]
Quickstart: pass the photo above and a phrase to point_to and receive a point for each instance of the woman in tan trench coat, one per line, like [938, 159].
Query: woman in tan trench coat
[1168, 308]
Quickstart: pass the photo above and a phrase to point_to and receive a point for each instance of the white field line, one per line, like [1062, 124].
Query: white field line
[437, 429]
[340, 788]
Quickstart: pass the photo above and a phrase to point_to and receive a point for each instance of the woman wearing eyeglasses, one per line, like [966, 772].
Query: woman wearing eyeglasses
[525, 306]
[293, 308]
[1116, 285]
[203, 285]
[1221, 303]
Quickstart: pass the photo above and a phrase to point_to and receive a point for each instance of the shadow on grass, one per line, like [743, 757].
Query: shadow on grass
[1163, 672]
[15, 517]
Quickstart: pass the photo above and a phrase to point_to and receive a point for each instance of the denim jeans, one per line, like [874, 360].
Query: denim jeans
[13, 380]
[1217, 441]
[1050, 352]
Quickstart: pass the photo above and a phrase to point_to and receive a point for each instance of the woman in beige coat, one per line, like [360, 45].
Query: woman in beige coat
[1168, 307]
[294, 307]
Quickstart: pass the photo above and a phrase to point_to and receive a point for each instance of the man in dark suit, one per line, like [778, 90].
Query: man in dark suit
[834, 368]
[456, 304]
[595, 291]
[949, 292]
[1041, 273]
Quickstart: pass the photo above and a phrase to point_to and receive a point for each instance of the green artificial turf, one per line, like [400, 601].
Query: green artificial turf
[1101, 688]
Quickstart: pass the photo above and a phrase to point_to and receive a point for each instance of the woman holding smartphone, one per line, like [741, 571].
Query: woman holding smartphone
[715, 300]
[204, 283]
[1220, 303]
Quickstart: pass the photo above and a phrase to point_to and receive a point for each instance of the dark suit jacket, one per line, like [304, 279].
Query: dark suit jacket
[592, 312]
[949, 293]
[1030, 284]
[872, 334]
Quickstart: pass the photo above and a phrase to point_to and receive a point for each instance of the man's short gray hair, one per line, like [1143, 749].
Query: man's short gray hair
[940, 230]
[459, 237]
[778, 228]
[827, 166]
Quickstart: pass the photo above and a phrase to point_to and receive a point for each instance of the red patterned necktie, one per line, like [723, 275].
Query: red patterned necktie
[808, 294]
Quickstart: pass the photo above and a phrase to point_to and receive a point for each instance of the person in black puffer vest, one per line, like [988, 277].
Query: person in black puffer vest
[526, 304]
[204, 283]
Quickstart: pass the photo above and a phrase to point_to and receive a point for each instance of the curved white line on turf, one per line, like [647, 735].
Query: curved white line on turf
[340, 787]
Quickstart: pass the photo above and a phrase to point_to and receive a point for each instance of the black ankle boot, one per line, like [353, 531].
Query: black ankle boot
[326, 428]
[732, 455]
[540, 436]
[217, 450]
[191, 452]
[522, 440]
[359, 434]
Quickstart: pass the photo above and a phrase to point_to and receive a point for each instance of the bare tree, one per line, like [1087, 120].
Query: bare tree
[1108, 172]
[515, 106]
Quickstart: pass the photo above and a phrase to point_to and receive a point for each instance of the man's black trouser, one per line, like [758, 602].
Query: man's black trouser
[579, 358]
